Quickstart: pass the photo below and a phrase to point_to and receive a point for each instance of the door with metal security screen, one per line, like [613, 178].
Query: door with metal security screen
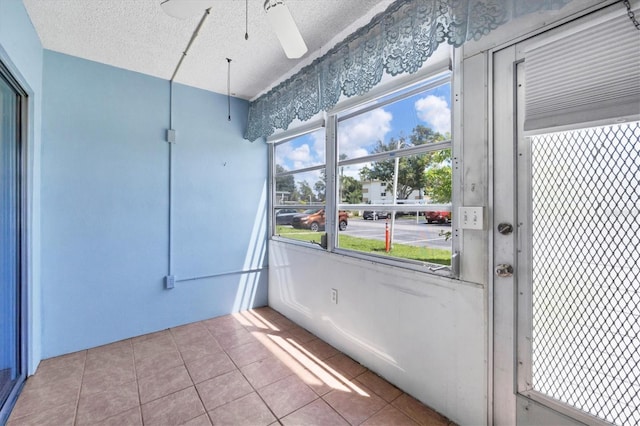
[578, 208]
[566, 215]
[584, 265]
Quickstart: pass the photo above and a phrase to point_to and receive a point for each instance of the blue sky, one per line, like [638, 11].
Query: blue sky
[406, 117]
[358, 135]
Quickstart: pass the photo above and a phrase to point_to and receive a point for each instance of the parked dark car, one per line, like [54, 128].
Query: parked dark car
[373, 215]
[284, 216]
[439, 217]
[314, 220]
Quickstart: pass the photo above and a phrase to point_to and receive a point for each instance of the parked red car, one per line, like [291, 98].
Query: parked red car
[437, 217]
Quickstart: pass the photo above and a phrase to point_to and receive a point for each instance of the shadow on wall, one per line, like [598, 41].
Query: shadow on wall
[249, 289]
[326, 317]
[284, 278]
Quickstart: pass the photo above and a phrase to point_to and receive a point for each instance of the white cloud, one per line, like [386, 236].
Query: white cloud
[308, 154]
[301, 157]
[281, 153]
[434, 111]
[357, 134]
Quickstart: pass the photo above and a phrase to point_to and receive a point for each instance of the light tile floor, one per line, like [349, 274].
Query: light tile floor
[252, 368]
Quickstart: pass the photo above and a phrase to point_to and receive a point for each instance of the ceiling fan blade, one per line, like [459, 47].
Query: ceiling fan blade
[183, 9]
[285, 28]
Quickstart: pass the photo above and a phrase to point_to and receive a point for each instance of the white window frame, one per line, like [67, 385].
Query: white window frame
[440, 73]
[274, 141]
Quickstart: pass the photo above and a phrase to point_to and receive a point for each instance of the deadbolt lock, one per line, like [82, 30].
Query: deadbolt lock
[505, 228]
[504, 270]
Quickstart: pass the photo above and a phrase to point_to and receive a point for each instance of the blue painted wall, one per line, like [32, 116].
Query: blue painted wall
[105, 203]
[21, 51]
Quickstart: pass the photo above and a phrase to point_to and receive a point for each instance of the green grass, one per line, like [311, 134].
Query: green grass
[298, 234]
[365, 245]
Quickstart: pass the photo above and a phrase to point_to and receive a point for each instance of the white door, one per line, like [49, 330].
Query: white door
[567, 180]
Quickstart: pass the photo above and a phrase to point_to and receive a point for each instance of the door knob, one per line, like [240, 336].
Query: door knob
[504, 270]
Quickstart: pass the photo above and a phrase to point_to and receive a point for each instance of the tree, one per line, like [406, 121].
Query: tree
[285, 185]
[305, 191]
[321, 186]
[412, 169]
[438, 187]
[351, 190]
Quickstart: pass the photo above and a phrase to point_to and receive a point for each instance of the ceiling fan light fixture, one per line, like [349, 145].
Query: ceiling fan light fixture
[285, 28]
[183, 9]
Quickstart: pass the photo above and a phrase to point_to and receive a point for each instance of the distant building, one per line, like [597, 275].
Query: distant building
[375, 192]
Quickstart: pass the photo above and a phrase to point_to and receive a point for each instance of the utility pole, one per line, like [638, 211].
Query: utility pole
[395, 195]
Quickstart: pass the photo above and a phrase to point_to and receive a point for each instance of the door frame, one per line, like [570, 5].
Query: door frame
[24, 136]
[507, 404]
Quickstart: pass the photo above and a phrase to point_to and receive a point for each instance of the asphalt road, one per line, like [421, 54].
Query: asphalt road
[406, 231]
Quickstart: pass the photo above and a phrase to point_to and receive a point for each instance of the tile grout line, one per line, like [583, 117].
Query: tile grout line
[329, 405]
[84, 368]
[256, 390]
[194, 384]
[278, 419]
[135, 379]
[278, 331]
[135, 373]
[247, 380]
[184, 364]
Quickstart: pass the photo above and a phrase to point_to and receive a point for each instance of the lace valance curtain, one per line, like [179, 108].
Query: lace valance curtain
[396, 41]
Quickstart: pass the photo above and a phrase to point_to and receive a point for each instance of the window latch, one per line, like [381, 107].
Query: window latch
[454, 268]
[439, 268]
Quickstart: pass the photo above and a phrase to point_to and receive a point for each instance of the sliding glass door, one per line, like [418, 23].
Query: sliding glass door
[12, 372]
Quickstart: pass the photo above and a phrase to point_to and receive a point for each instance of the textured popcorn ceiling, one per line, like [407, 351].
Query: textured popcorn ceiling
[137, 35]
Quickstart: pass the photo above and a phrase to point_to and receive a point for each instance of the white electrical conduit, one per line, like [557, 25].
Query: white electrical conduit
[170, 196]
[193, 37]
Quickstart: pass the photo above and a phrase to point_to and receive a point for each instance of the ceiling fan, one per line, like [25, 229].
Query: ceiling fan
[278, 16]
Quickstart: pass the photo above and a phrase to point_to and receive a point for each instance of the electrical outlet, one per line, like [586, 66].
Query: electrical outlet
[334, 296]
[471, 217]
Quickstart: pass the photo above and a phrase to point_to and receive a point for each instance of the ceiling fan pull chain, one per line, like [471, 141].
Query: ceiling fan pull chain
[229, 88]
[246, 20]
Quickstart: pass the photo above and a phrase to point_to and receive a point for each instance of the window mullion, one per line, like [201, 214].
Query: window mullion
[298, 171]
[399, 153]
[331, 195]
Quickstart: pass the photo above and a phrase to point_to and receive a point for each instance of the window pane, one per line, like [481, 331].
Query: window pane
[410, 238]
[302, 152]
[294, 190]
[422, 179]
[300, 188]
[299, 195]
[421, 229]
[393, 154]
[301, 224]
[409, 191]
[408, 122]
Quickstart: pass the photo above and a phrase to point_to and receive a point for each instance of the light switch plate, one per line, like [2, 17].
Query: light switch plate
[471, 217]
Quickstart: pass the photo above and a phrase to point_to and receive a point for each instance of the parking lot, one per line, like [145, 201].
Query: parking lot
[406, 231]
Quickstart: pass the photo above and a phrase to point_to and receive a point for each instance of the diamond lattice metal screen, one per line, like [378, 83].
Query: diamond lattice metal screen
[585, 270]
